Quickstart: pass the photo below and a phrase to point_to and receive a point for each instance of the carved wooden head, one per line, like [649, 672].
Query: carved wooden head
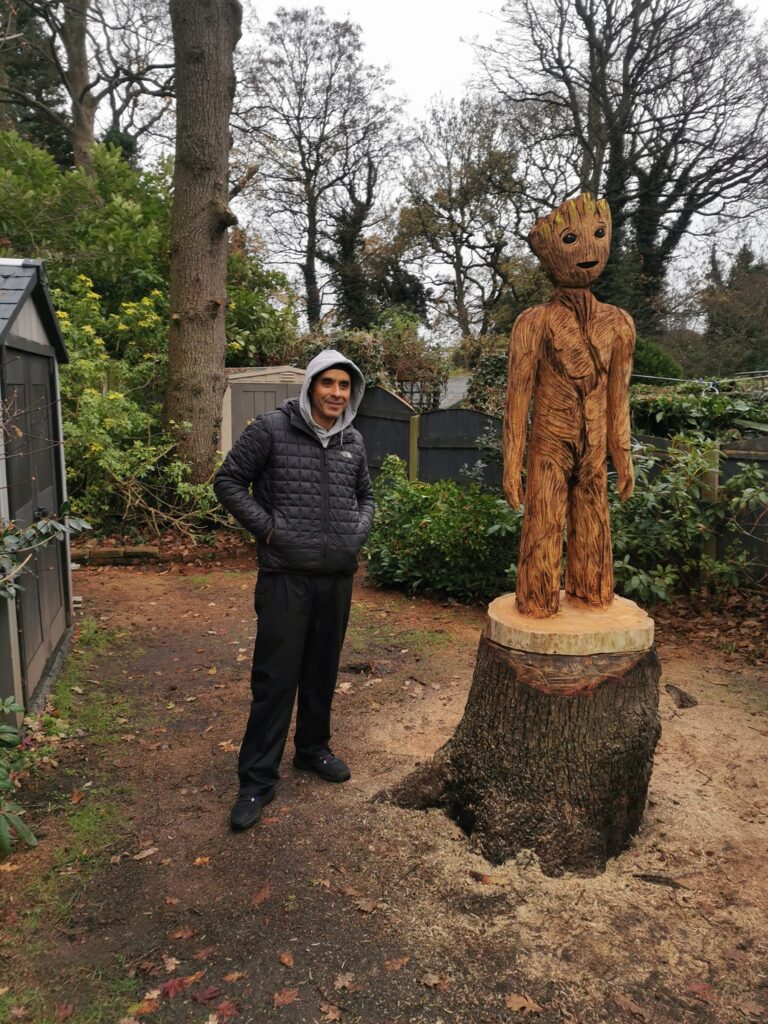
[573, 242]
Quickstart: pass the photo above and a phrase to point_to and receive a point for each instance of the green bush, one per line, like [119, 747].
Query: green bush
[442, 537]
[652, 361]
[462, 541]
[714, 410]
[11, 823]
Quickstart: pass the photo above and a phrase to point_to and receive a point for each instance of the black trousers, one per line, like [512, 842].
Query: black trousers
[301, 625]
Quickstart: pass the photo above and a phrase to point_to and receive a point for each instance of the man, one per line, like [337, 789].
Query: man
[311, 509]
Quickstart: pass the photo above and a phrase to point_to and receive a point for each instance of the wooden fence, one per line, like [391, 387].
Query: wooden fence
[439, 445]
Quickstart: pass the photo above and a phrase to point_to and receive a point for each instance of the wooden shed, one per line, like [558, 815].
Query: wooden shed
[254, 390]
[35, 627]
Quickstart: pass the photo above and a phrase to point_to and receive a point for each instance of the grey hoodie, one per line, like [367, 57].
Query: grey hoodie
[330, 357]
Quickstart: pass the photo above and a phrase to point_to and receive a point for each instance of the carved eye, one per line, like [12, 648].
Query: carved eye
[600, 233]
[570, 238]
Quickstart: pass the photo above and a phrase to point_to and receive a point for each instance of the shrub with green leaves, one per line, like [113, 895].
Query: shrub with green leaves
[442, 537]
[11, 823]
[716, 409]
[463, 541]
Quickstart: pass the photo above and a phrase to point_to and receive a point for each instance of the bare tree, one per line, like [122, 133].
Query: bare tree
[666, 102]
[321, 123]
[205, 34]
[462, 209]
[114, 52]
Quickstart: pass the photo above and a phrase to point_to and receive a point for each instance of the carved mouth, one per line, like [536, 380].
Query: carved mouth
[588, 265]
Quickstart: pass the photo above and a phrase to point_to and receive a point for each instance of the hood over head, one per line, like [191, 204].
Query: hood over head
[324, 361]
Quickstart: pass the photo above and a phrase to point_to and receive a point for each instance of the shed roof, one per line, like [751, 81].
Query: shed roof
[20, 279]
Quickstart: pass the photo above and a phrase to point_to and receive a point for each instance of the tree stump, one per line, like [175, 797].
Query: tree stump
[554, 754]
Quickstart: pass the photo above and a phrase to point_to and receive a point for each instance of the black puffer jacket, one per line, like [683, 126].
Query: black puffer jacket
[312, 507]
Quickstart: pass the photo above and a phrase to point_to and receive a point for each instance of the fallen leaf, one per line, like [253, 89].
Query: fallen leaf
[19, 1013]
[77, 796]
[347, 890]
[64, 1011]
[522, 1004]
[202, 954]
[9, 867]
[228, 746]
[192, 979]
[171, 901]
[367, 906]
[226, 1011]
[286, 959]
[396, 965]
[182, 933]
[234, 976]
[750, 1009]
[171, 988]
[170, 963]
[346, 982]
[200, 862]
[212, 671]
[262, 895]
[145, 1007]
[330, 1012]
[438, 981]
[285, 997]
[480, 876]
[628, 1005]
[703, 991]
[207, 995]
[145, 853]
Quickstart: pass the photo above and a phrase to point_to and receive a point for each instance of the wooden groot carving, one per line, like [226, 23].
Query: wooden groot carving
[573, 355]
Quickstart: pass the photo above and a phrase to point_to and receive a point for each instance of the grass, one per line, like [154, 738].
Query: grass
[84, 833]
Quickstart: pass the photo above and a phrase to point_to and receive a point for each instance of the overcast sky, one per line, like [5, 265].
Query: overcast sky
[426, 43]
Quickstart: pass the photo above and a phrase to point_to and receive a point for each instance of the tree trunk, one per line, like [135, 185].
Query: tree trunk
[205, 33]
[553, 754]
[77, 76]
[309, 271]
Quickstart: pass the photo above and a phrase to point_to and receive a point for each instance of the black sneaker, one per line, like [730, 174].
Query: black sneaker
[247, 810]
[323, 763]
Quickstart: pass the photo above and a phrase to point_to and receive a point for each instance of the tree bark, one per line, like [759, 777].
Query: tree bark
[77, 77]
[205, 33]
[554, 754]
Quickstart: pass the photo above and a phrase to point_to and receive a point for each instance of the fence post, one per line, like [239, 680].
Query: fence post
[413, 460]
[710, 485]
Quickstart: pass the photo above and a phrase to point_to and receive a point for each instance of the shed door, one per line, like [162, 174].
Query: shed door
[34, 492]
[252, 400]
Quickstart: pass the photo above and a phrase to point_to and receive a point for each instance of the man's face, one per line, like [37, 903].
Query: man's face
[329, 396]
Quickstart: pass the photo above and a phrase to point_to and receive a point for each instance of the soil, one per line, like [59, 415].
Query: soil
[339, 906]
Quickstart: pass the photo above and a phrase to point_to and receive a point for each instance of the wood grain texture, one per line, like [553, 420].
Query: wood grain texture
[553, 754]
[573, 357]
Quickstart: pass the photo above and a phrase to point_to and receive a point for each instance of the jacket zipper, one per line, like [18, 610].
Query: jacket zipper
[325, 510]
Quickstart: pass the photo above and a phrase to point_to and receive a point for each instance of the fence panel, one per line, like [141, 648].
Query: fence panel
[448, 441]
[754, 539]
[384, 420]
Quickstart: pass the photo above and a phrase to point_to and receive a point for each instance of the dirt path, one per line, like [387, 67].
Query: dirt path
[140, 904]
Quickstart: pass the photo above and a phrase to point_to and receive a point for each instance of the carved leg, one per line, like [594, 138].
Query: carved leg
[588, 558]
[541, 542]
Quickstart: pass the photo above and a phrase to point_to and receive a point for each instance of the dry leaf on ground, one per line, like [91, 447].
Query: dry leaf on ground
[182, 933]
[201, 862]
[234, 976]
[145, 853]
[207, 995]
[170, 963]
[703, 991]
[397, 964]
[627, 1004]
[330, 1012]
[286, 959]
[750, 1009]
[285, 997]
[346, 982]
[522, 1004]
[438, 981]
[261, 895]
